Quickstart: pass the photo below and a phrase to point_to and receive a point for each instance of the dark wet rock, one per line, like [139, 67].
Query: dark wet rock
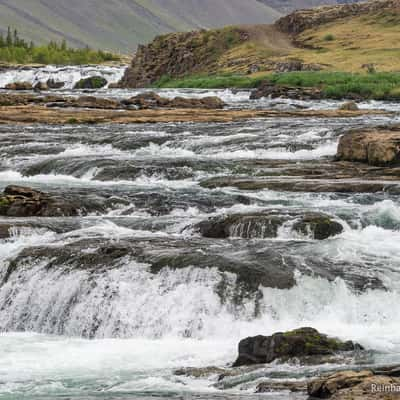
[349, 106]
[377, 147]
[301, 185]
[266, 225]
[18, 201]
[53, 84]
[19, 86]
[41, 86]
[200, 372]
[148, 100]
[298, 343]
[94, 82]
[5, 230]
[271, 90]
[320, 226]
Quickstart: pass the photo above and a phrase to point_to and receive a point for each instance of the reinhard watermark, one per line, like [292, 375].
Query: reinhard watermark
[385, 388]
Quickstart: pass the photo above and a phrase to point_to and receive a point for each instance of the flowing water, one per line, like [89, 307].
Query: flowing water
[109, 304]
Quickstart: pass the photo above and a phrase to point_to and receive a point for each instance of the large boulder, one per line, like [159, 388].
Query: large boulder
[355, 385]
[297, 343]
[94, 82]
[18, 201]
[377, 147]
[267, 223]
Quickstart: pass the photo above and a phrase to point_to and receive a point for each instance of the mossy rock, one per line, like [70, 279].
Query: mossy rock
[298, 343]
[94, 82]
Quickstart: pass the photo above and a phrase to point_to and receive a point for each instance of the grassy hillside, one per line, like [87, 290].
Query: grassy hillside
[123, 24]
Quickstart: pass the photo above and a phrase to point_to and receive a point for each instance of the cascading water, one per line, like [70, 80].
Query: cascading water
[69, 75]
[109, 303]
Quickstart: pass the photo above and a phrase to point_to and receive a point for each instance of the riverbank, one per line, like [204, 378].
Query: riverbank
[328, 85]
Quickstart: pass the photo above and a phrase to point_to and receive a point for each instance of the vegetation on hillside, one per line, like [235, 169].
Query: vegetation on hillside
[335, 85]
[15, 50]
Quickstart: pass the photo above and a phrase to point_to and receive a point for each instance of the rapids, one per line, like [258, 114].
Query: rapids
[108, 304]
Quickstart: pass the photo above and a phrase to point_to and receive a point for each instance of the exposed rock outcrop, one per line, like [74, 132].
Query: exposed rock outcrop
[301, 20]
[298, 343]
[378, 147]
[18, 201]
[179, 54]
[266, 225]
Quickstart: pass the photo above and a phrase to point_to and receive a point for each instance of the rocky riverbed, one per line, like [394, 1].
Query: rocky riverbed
[136, 256]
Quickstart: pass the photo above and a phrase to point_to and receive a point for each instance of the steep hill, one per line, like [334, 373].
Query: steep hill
[287, 6]
[123, 24]
[341, 38]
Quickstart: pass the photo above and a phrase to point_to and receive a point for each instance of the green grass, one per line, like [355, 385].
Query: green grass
[338, 85]
[335, 85]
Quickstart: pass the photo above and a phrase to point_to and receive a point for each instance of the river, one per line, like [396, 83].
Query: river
[82, 318]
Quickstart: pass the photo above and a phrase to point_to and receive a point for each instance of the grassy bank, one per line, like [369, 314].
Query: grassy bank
[335, 85]
[14, 50]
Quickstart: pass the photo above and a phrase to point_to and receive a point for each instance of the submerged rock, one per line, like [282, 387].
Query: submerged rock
[377, 147]
[298, 343]
[18, 201]
[266, 225]
[94, 82]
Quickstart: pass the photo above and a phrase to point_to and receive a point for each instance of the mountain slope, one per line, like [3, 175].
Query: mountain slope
[123, 24]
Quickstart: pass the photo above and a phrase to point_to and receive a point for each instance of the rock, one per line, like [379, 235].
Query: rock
[298, 343]
[320, 226]
[19, 86]
[266, 225]
[349, 106]
[114, 85]
[41, 86]
[268, 89]
[355, 385]
[377, 147]
[302, 185]
[279, 386]
[53, 84]
[94, 82]
[150, 100]
[5, 229]
[18, 201]
[200, 372]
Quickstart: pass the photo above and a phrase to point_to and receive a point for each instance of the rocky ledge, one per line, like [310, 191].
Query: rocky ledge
[18, 201]
[298, 343]
[267, 224]
[377, 147]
